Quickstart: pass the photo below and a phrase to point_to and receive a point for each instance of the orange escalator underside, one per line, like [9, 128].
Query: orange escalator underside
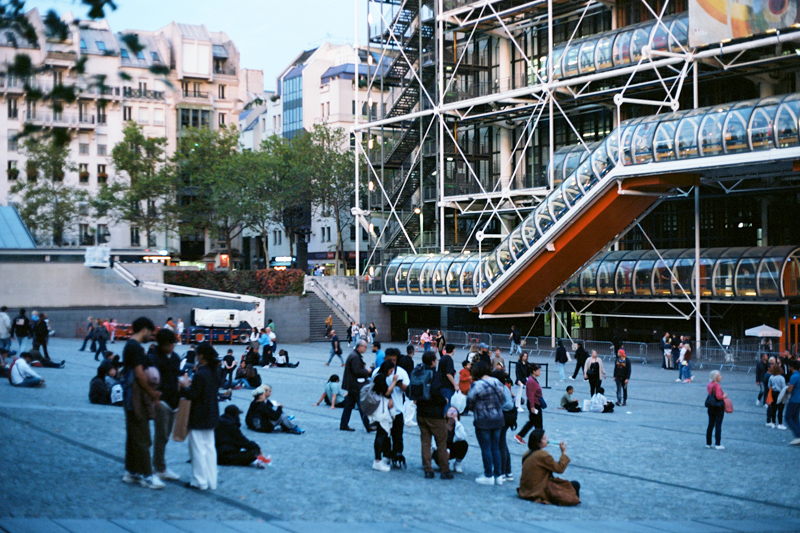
[611, 213]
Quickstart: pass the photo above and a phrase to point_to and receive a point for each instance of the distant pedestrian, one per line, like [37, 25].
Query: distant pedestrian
[593, 370]
[336, 348]
[448, 371]
[180, 327]
[622, 374]
[372, 332]
[21, 329]
[113, 328]
[581, 355]
[203, 418]
[561, 360]
[515, 342]
[383, 384]
[355, 375]
[101, 335]
[328, 326]
[399, 399]
[485, 400]
[667, 350]
[523, 371]
[430, 417]
[425, 340]
[761, 375]
[716, 410]
[41, 335]
[136, 384]
[440, 342]
[776, 384]
[5, 329]
[228, 368]
[379, 355]
[89, 335]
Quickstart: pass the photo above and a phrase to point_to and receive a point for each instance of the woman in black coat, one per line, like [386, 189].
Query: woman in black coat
[581, 355]
[264, 415]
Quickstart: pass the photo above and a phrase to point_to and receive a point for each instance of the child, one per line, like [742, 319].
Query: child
[465, 377]
[569, 403]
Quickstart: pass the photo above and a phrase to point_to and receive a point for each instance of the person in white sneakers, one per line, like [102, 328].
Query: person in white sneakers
[775, 384]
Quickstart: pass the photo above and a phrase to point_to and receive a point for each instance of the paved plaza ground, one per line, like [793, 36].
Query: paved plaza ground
[642, 468]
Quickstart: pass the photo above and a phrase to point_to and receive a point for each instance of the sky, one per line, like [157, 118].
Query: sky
[268, 33]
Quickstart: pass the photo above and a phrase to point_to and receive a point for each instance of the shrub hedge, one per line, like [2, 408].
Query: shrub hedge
[267, 282]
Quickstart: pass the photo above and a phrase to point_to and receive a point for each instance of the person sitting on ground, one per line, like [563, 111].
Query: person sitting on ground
[283, 360]
[333, 394]
[4, 355]
[600, 403]
[264, 415]
[569, 402]
[537, 483]
[22, 375]
[37, 357]
[100, 386]
[246, 376]
[233, 448]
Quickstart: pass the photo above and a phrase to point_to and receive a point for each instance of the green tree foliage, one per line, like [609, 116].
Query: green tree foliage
[48, 207]
[142, 192]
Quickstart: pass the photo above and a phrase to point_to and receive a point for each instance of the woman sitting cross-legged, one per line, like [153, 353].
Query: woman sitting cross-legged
[537, 482]
[233, 448]
[264, 415]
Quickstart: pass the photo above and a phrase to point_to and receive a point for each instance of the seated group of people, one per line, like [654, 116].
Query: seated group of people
[598, 404]
[20, 371]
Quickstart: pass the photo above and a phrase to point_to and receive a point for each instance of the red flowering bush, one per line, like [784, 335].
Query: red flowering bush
[257, 282]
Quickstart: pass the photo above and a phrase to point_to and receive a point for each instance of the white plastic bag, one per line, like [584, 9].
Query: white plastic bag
[410, 414]
[459, 401]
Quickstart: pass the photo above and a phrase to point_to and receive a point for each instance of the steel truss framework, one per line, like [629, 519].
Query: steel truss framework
[654, 74]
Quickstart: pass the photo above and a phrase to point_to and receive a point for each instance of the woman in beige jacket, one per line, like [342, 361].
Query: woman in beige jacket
[592, 371]
[537, 482]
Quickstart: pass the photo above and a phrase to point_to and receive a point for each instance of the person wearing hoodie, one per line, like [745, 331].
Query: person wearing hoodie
[99, 389]
[233, 448]
[561, 360]
[21, 329]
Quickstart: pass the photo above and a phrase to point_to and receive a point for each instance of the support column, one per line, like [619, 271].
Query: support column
[696, 94]
[504, 75]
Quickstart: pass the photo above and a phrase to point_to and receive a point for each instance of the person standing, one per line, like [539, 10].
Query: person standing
[136, 385]
[101, 336]
[715, 412]
[168, 365]
[263, 341]
[203, 418]
[667, 348]
[41, 334]
[21, 329]
[180, 327]
[793, 403]
[89, 336]
[485, 400]
[355, 375]
[432, 423]
[523, 371]
[399, 399]
[425, 340]
[383, 384]
[533, 392]
[776, 384]
[113, 329]
[685, 361]
[441, 342]
[761, 374]
[328, 326]
[515, 342]
[407, 361]
[379, 354]
[336, 348]
[448, 371]
[561, 360]
[581, 355]
[228, 368]
[592, 370]
[622, 374]
[5, 329]
[372, 332]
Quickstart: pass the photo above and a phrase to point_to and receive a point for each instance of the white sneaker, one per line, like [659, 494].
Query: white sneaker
[720, 447]
[131, 478]
[709, 446]
[168, 475]
[457, 468]
[151, 482]
[770, 425]
[758, 403]
[678, 380]
[795, 442]
[483, 480]
[781, 426]
[499, 480]
[571, 378]
[380, 466]
[508, 477]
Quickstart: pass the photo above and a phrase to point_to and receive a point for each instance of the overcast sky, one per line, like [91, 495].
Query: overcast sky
[268, 33]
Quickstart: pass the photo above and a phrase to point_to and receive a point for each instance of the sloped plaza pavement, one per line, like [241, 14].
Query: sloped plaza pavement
[642, 468]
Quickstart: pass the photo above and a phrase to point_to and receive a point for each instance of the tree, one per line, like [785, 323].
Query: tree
[142, 193]
[47, 205]
[333, 184]
[207, 168]
[262, 196]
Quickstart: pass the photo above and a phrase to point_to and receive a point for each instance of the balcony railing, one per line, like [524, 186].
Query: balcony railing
[56, 119]
[225, 70]
[194, 94]
[129, 92]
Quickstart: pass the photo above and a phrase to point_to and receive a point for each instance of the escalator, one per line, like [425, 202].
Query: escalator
[636, 166]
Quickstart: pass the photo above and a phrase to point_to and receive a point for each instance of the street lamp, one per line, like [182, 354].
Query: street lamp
[418, 211]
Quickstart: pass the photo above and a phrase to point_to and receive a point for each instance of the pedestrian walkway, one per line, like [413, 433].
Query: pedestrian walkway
[642, 468]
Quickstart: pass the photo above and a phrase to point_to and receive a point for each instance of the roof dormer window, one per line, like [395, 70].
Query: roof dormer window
[124, 54]
[83, 45]
[140, 55]
[101, 46]
[154, 56]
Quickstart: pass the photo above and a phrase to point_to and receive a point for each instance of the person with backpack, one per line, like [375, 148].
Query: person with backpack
[21, 329]
[485, 400]
[592, 371]
[355, 375]
[425, 388]
[561, 360]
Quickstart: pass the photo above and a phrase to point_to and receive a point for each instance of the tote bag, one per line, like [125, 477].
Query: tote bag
[181, 428]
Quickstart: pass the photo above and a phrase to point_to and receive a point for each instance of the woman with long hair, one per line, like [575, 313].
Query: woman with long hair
[537, 482]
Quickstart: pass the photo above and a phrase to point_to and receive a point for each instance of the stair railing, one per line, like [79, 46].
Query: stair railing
[320, 291]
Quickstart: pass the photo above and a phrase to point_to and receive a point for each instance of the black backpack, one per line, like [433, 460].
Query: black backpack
[419, 387]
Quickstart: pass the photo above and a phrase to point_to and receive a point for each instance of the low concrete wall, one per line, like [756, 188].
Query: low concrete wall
[62, 285]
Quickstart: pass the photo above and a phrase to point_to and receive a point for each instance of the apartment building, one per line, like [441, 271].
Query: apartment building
[204, 88]
[319, 86]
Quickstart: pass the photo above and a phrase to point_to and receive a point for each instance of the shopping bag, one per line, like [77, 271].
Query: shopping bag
[181, 428]
[459, 401]
[769, 396]
[728, 405]
[410, 414]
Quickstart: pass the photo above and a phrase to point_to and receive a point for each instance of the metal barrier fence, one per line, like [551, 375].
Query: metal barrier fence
[739, 356]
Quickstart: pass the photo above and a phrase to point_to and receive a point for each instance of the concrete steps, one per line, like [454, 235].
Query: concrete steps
[318, 312]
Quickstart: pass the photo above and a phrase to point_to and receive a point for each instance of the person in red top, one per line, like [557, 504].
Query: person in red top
[465, 377]
[715, 414]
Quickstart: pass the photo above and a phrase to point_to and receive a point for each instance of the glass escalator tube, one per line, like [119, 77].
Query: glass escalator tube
[390, 281]
[516, 243]
[468, 283]
[628, 128]
[453, 279]
[710, 131]
[586, 60]
[787, 122]
[439, 279]
[603, 53]
[664, 139]
[687, 134]
[679, 34]
[761, 128]
[735, 128]
[426, 275]
[642, 140]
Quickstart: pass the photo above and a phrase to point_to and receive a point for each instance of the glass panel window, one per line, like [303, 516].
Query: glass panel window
[686, 137]
[711, 133]
[602, 53]
[624, 281]
[101, 46]
[762, 132]
[643, 142]
[735, 128]
[587, 61]
[664, 141]
[588, 280]
[571, 61]
[622, 45]
[786, 122]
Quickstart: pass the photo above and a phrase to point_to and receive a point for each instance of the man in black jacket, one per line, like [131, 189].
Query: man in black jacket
[41, 333]
[355, 375]
[761, 371]
[168, 365]
[233, 448]
[431, 420]
[21, 329]
[622, 373]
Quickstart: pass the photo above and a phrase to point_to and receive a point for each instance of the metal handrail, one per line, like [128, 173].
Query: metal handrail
[323, 293]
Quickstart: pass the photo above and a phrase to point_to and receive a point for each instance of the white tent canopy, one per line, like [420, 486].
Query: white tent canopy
[763, 331]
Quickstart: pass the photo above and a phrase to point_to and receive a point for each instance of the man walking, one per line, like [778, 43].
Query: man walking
[622, 374]
[168, 365]
[21, 329]
[431, 420]
[355, 375]
[515, 342]
[137, 420]
[41, 334]
[336, 348]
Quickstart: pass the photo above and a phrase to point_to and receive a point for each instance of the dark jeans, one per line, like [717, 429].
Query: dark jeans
[572, 407]
[505, 456]
[47, 363]
[351, 401]
[227, 381]
[714, 421]
[622, 390]
[383, 444]
[41, 345]
[534, 421]
[578, 368]
[792, 420]
[489, 441]
[397, 435]
[775, 408]
[137, 445]
[241, 458]
[594, 384]
[101, 348]
[89, 337]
